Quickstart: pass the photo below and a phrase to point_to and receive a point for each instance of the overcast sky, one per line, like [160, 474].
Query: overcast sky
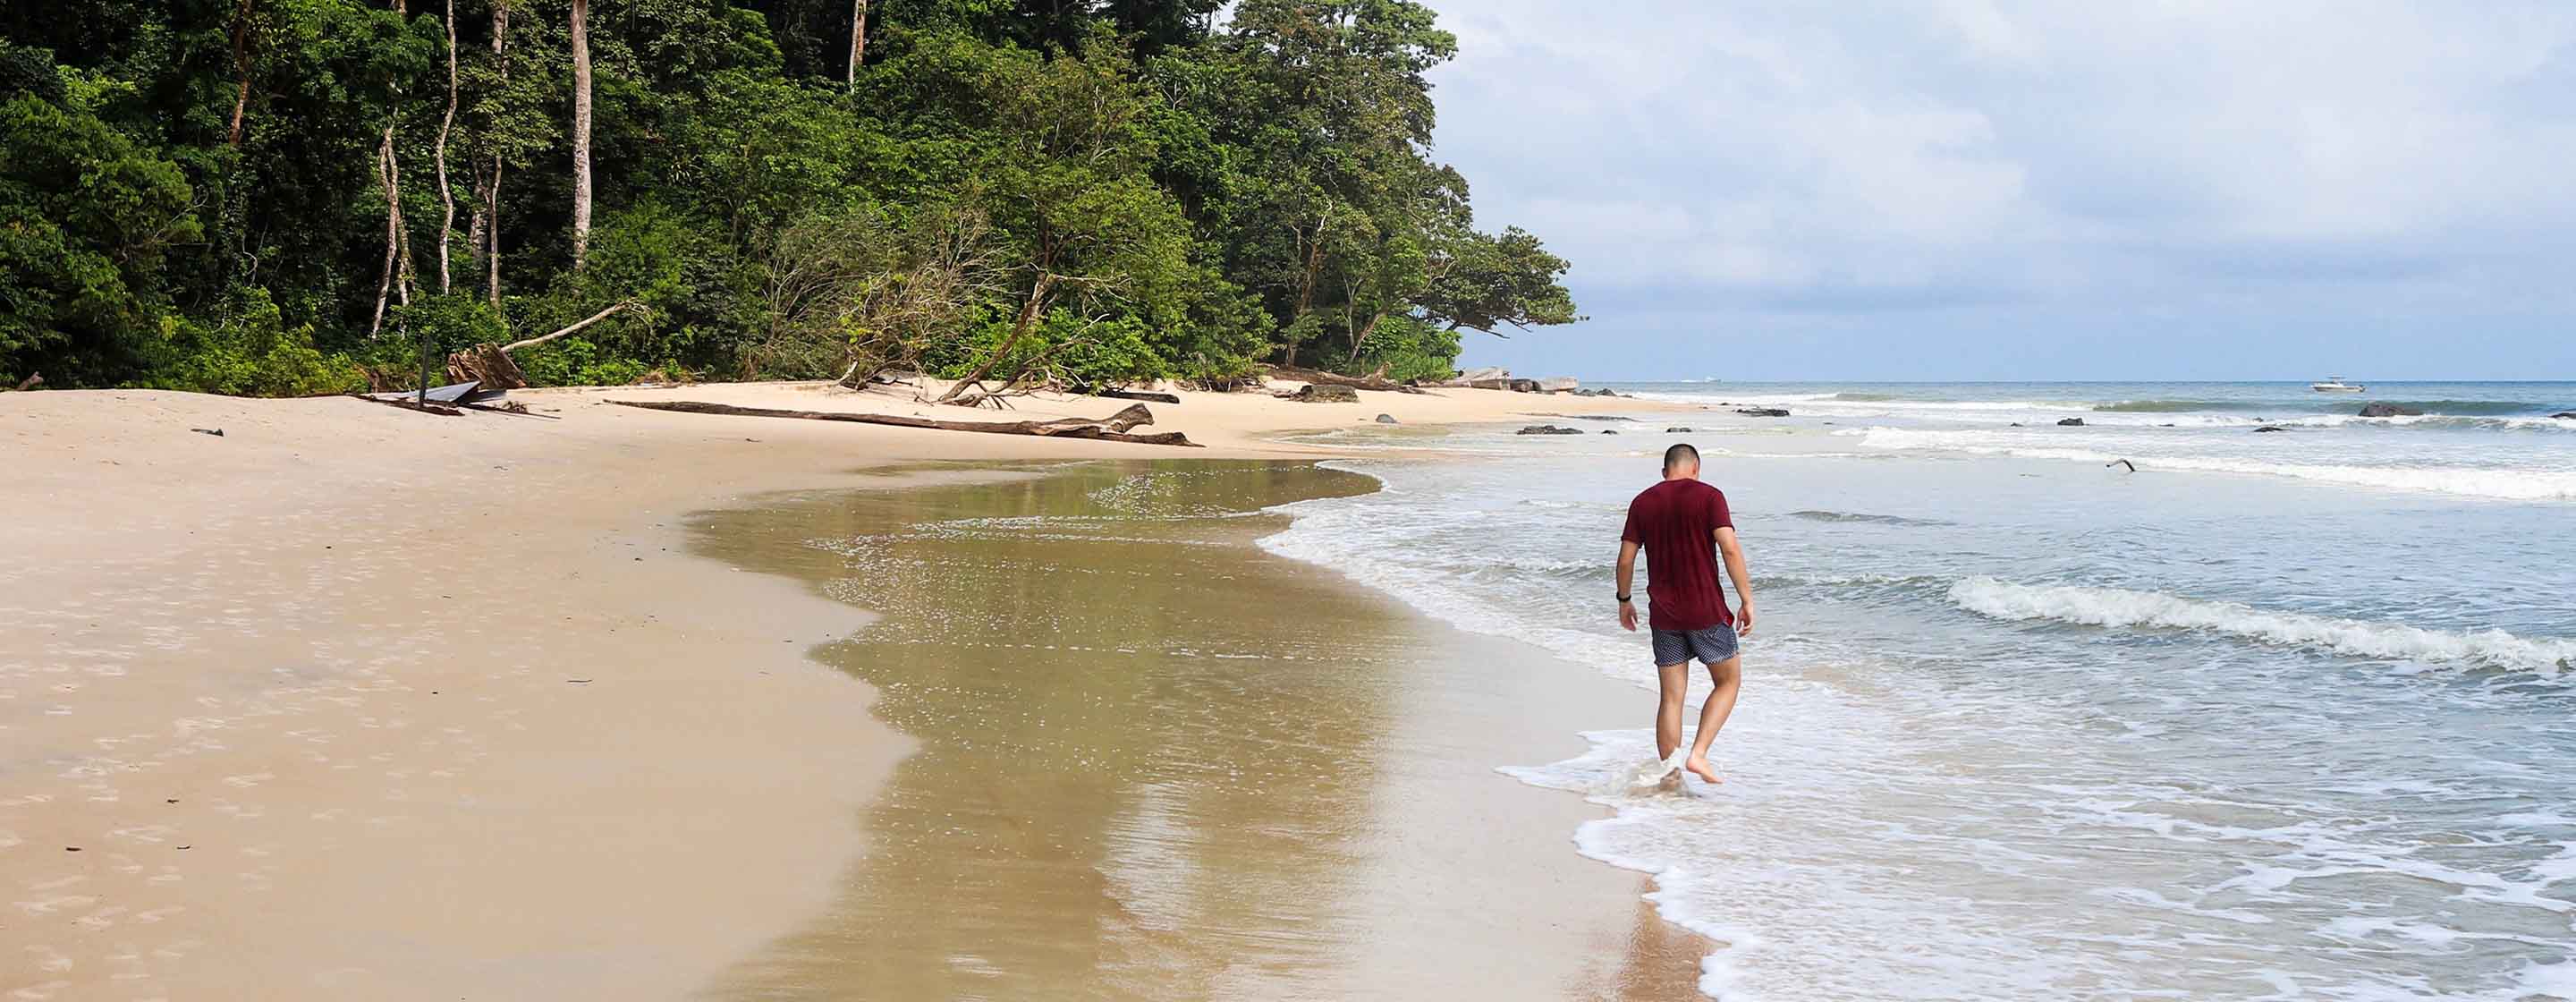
[2044, 190]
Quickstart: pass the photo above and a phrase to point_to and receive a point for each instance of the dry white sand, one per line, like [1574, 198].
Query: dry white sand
[355, 702]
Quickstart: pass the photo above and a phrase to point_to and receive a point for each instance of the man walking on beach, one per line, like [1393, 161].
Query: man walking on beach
[1678, 523]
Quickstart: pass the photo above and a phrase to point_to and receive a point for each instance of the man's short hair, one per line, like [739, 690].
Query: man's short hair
[1680, 453]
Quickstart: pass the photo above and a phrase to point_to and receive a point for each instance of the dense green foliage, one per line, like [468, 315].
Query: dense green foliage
[287, 197]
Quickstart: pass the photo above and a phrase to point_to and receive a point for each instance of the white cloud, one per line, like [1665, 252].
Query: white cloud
[1975, 150]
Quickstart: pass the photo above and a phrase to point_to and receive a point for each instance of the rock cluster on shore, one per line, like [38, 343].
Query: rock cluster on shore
[1322, 393]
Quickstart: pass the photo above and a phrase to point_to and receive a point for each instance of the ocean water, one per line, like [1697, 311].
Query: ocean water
[2278, 716]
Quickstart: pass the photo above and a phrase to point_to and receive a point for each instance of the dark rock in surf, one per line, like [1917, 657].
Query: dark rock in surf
[2269, 427]
[1609, 431]
[1548, 429]
[2378, 408]
[1677, 430]
[1386, 419]
[2073, 422]
[1763, 411]
[2565, 415]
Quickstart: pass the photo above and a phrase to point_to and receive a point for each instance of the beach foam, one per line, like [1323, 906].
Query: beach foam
[2120, 607]
[2507, 484]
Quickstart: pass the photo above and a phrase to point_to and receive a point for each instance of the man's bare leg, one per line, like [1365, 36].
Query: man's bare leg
[1668, 712]
[1728, 675]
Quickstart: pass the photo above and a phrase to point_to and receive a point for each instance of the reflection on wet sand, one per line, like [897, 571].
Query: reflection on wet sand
[1157, 762]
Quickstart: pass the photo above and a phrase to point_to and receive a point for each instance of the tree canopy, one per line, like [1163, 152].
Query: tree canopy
[295, 196]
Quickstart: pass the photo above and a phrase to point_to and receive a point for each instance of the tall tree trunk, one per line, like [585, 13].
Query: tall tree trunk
[446, 195]
[397, 274]
[858, 39]
[474, 228]
[241, 67]
[389, 177]
[1028, 318]
[1361, 338]
[492, 191]
[580, 132]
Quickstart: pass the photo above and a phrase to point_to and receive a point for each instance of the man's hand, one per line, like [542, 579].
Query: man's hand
[1744, 620]
[1628, 616]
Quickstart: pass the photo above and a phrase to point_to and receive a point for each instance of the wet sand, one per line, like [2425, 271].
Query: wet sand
[352, 702]
[1157, 762]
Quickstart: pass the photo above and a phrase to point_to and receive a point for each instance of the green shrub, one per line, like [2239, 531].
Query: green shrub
[574, 361]
[249, 352]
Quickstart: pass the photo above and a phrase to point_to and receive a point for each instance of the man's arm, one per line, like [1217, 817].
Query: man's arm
[1733, 551]
[1627, 576]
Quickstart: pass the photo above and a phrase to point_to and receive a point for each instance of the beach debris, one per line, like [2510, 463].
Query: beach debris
[1373, 381]
[1155, 398]
[490, 364]
[2073, 422]
[216, 432]
[1677, 430]
[1763, 411]
[1113, 428]
[1387, 419]
[405, 401]
[1548, 429]
[1325, 393]
[33, 380]
[2269, 427]
[2133, 467]
[2382, 408]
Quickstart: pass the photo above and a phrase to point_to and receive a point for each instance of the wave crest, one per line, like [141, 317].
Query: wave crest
[2118, 607]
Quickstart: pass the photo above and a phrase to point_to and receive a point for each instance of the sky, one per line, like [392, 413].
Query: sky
[1972, 189]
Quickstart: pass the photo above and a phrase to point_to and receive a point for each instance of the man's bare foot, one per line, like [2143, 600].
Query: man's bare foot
[1699, 767]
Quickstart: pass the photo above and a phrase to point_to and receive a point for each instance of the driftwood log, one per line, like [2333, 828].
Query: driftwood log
[1110, 429]
[1373, 381]
[409, 404]
[490, 364]
[1147, 396]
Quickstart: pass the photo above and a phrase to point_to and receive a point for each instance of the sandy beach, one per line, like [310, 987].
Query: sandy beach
[352, 701]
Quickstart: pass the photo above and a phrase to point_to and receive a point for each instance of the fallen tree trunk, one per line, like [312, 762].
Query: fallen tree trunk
[1377, 381]
[490, 364]
[1110, 429]
[1144, 395]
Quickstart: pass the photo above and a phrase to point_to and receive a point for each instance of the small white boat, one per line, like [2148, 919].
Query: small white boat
[2335, 384]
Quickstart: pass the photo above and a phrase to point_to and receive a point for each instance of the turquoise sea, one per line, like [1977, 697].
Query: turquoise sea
[2280, 715]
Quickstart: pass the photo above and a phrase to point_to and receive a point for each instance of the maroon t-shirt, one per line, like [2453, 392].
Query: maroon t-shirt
[1676, 523]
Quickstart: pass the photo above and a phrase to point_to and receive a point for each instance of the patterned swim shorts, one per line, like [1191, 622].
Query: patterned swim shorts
[1712, 645]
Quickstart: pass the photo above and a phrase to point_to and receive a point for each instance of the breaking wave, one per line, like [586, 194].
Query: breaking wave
[2512, 485]
[2120, 607]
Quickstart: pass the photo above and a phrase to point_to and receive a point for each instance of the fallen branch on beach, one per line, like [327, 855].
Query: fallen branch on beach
[1374, 381]
[491, 365]
[1113, 428]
